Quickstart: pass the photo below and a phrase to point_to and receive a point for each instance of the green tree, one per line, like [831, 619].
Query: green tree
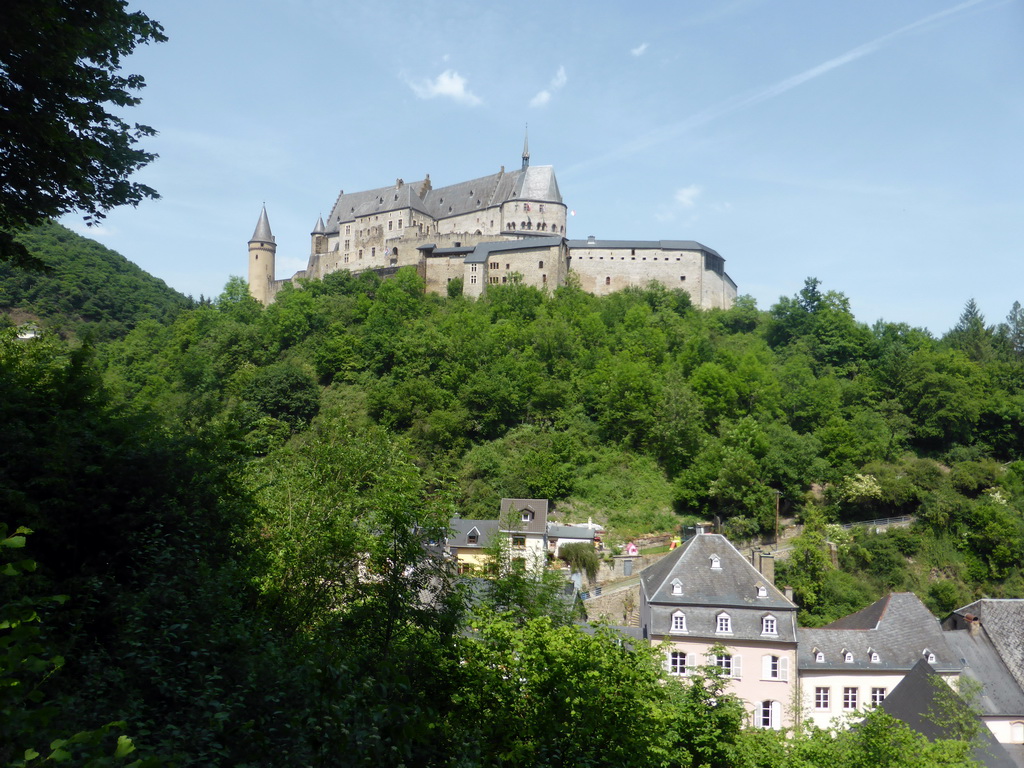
[64, 149]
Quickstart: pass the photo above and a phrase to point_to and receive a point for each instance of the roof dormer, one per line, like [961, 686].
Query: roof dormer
[677, 587]
[473, 537]
[716, 563]
[762, 590]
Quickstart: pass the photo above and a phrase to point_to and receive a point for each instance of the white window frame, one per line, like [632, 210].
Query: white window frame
[723, 624]
[851, 698]
[878, 696]
[679, 663]
[774, 667]
[822, 698]
[678, 622]
[677, 587]
[819, 657]
[730, 663]
[769, 625]
[769, 715]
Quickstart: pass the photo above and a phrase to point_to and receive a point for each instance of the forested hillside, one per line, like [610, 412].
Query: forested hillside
[86, 290]
[640, 411]
[232, 514]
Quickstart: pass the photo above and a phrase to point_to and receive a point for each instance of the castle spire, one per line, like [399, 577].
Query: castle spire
[526, 148]
[320, 229]
[262, 233]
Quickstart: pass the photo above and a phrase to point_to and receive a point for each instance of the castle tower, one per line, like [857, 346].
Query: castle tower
[319, 235]
[262, 253]
[526, 148]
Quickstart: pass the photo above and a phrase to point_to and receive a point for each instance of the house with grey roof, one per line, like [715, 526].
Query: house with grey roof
[504, 227]
[856, 661]
[988, 637]
[706, 604]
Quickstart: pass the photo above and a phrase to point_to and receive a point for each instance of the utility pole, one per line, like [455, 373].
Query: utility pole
[778, 495]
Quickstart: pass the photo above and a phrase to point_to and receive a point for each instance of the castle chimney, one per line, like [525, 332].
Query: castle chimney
[767, 566]
[788, 591]
[973, 624]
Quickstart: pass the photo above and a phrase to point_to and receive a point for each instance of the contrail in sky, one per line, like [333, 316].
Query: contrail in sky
[735, 103]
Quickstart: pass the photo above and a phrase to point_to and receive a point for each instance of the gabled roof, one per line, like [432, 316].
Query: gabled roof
[929, 706]
[1003, 621]
[539, 508]
[580, 532]
[462, 527]
[898, 627]
[999, 693]
[734, 584]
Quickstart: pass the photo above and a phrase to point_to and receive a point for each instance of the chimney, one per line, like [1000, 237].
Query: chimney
[767, 566]
[788, 591]
[591, 240]
[973, 624]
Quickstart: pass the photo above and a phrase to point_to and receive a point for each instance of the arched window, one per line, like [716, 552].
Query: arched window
[1017, 732]
[769, 626]
[678, 621]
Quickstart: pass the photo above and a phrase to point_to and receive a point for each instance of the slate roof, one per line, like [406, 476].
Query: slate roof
[262, 232]
[539, 507]
[915, 701]
[533, 184]
[665, 245]
[482, 251]
[461, 528]
[898, 627]
[1003, 621]
[580, 532]
[1000, 694]
[707, 592]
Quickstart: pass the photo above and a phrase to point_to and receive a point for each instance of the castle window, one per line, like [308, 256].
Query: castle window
[540, 265]
[607, 281]
[544, 278]
[682, 278]
[347, 244]
[542, 207]
[391, 225]
[473, 268]
[494, 265]
[360, 253]
[257, 257]
[632, 251]
[373, 252]
[399, 223]
[348, 229]
[508, 266]
[472, 279]
[346, 259]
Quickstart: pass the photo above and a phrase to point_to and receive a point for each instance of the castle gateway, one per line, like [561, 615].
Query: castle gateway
[509, 226]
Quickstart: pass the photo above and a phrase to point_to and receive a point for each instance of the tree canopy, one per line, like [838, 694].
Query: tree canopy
[64, 147]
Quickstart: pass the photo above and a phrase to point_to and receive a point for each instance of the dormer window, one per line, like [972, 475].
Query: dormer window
[819, 657]
[678, 621]
[847, 657]
[929, 656]
[473, 537]
[527, 515]
[873, 656]
[762, 590]
[723, 625]
[769, 626]
[716, 562]
[677, 587]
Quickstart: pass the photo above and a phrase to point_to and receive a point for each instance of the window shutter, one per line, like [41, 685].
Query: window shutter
[776, 714]
[766, 667]
[736, 669]
[691, 662]
[784, 668]
[666, 661]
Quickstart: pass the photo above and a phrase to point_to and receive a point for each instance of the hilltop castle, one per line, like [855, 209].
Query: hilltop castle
[491, 230]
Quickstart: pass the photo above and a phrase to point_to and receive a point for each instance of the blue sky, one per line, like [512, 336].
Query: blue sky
[876, 145]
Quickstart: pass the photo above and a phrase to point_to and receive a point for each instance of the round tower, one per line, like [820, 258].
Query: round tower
[262, 253]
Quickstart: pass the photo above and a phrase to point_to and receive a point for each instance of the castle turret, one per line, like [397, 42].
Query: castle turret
[262, 254]
[319, 235]
[526, 149]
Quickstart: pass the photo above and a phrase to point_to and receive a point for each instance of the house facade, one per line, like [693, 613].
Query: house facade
[704, 603]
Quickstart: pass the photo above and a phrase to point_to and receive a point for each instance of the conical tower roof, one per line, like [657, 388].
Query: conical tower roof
[262, 233]
[319, 229]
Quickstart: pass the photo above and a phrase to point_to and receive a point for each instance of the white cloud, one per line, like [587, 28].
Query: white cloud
[540, 99]
[687, 196]
[558, 81]
[639, 50]
[684, 199]
[449, 84]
